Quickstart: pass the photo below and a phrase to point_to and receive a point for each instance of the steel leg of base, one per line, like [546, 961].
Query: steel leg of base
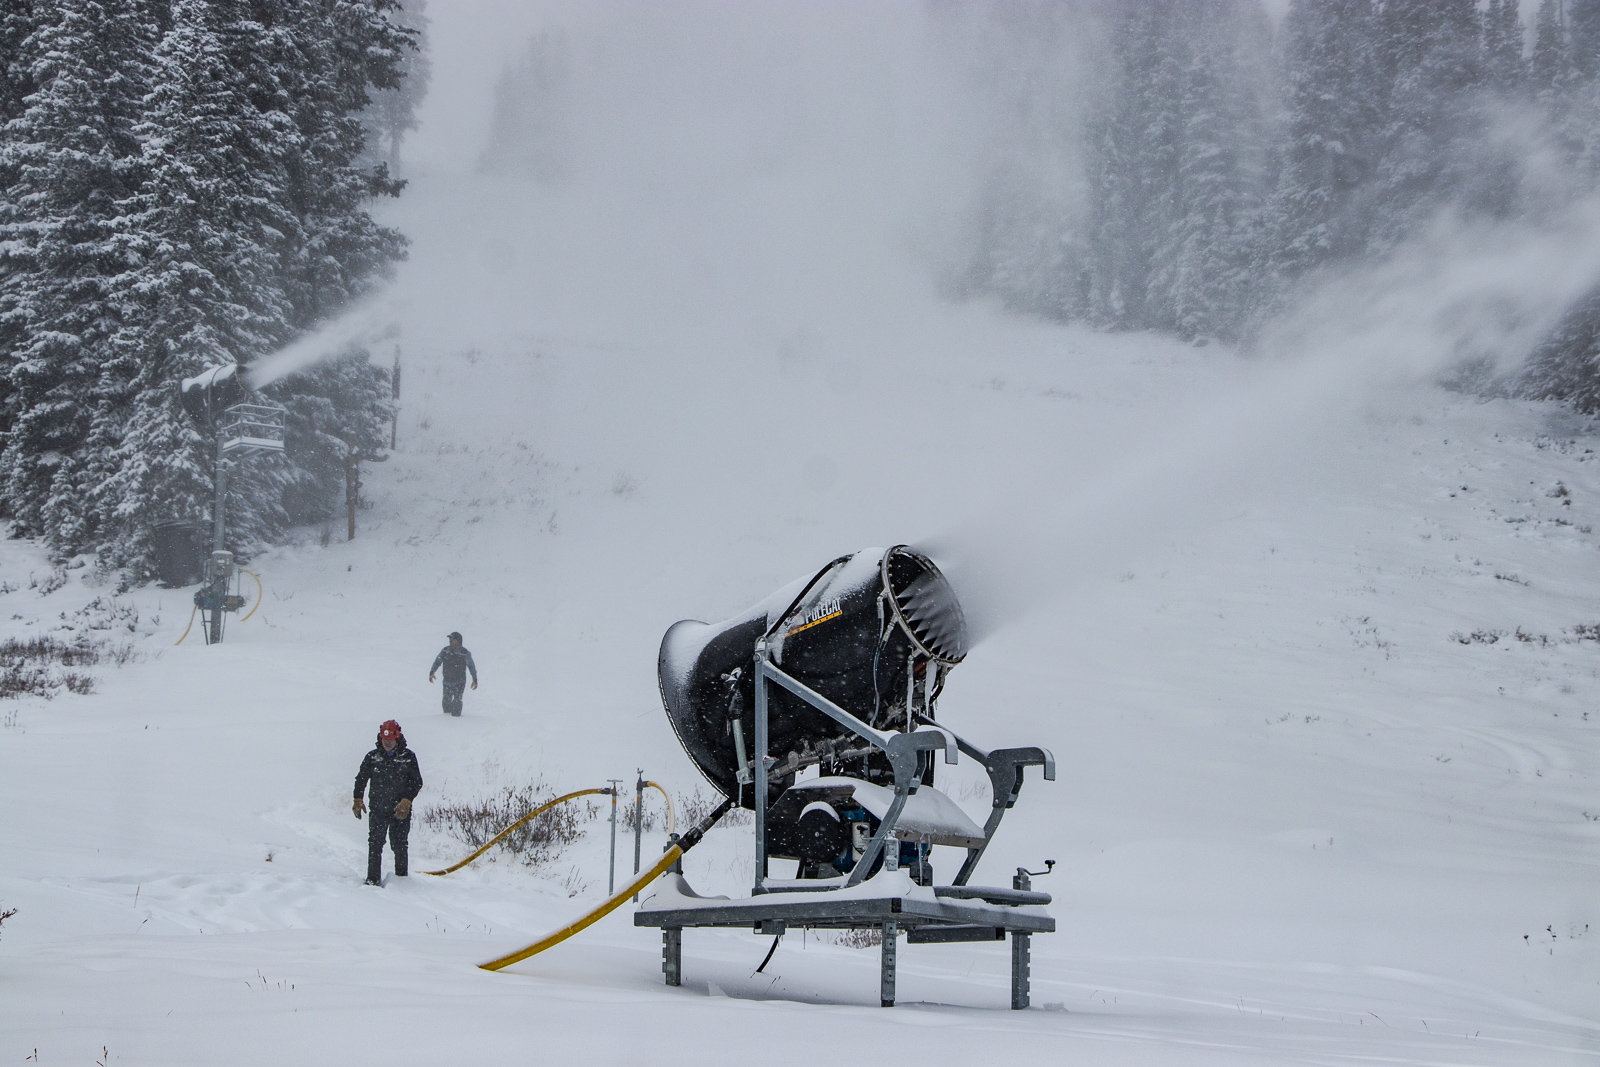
[886, 985]
[1019, 969]
[672, 955]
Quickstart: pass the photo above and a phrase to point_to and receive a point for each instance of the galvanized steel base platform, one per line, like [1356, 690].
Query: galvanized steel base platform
[924, 922]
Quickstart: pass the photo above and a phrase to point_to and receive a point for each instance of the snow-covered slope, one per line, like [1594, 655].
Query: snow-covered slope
[1308, 653]
[1303, 814]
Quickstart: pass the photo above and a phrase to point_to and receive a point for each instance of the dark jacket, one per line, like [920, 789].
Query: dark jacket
[457, 662]
[393, 775]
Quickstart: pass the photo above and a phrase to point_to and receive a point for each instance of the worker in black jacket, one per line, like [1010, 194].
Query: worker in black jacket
[392, 770]
[457, 661]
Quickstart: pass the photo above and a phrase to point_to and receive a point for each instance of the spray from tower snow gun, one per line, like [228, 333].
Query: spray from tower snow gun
[241, 423]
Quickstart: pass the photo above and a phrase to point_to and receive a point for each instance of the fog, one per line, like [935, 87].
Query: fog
[741, 221]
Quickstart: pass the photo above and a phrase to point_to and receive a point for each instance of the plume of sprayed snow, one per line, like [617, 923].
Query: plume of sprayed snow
[1457, 295]
[370, 321]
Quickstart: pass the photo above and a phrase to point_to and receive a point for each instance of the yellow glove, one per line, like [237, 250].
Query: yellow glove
[358, 806]
[402, 810]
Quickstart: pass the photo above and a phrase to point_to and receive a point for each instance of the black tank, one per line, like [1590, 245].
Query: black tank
[871, 631]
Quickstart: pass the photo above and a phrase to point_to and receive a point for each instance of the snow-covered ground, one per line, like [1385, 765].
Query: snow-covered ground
[1297, 818]
[1308, 656]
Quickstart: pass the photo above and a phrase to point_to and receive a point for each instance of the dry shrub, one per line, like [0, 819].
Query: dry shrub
[536, 842]
[857, 938]
[33, 667]
[692, 807]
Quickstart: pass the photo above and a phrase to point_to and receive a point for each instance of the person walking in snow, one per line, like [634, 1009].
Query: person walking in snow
[395, 778]
[457, 661]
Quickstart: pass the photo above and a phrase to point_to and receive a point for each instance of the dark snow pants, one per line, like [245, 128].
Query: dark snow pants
[452, 696]
[379, 825]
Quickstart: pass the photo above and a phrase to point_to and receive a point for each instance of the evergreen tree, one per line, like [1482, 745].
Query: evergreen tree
[67, 306]
[1206, 257]
[1336, 104]
[1505, 69]
[210, 231]
[1435, 123]
[17, 23]
[1025, 64]
[1133, 149]
[393, 111]
[1549, 67]
[1583, 36]
[1178, 154]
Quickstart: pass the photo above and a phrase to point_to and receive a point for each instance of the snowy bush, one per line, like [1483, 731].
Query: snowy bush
[536, 842]
[41, 666]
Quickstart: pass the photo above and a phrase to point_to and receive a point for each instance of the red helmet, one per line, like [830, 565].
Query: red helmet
[389, 729]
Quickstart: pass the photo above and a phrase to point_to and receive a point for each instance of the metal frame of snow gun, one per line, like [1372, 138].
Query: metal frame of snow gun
[669, 859]
[953, 913]
[905, 751]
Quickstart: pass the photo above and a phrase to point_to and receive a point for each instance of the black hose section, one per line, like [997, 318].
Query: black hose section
[796, 601]
[692, 838]
[770, 951]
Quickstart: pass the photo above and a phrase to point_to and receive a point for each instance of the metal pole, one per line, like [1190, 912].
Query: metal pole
[891, 931]
[611, 875]
[218, 586]
[638, 818]
[761, 767]
[217, 544]
[394, 426]
[638, 823]
[1020, 950]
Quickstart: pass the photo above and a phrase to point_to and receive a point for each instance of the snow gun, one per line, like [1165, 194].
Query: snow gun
[815, 709]
[241, 423]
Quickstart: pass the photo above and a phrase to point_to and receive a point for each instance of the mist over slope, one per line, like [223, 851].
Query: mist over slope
[1311, 639]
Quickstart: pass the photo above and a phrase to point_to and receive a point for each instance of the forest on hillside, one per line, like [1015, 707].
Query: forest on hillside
[1190, 167]
[189, 183]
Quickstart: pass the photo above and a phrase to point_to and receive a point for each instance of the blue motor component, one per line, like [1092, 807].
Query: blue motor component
[863, 824]
[912, 852]
[215, 598]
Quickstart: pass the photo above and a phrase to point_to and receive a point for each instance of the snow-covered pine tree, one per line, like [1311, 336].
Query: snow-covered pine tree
[1132, 152]
[1504, 41]
[326, 59]
[337, 408]
[251, 228]
[330, 60]
[1335, 102]
[67, 307]
[1434, 133]
[393, 111]
[529, 127]
[210, 230]
[1583, 36]
[1177, 164]
[1549, 65]
[1026, 66]
[1207, 260]
[17, 23]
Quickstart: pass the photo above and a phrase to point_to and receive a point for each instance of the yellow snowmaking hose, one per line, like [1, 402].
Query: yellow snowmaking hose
[257, 604]
[252, 611]
[186, 629]
[668, 858]
[671, 825]
[495, 840]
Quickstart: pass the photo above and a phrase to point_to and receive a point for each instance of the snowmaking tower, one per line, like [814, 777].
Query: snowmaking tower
[240, 423]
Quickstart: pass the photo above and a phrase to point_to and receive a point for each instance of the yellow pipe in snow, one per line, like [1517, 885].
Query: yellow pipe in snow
[496, 839]
[668, 858]
[671, 856]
